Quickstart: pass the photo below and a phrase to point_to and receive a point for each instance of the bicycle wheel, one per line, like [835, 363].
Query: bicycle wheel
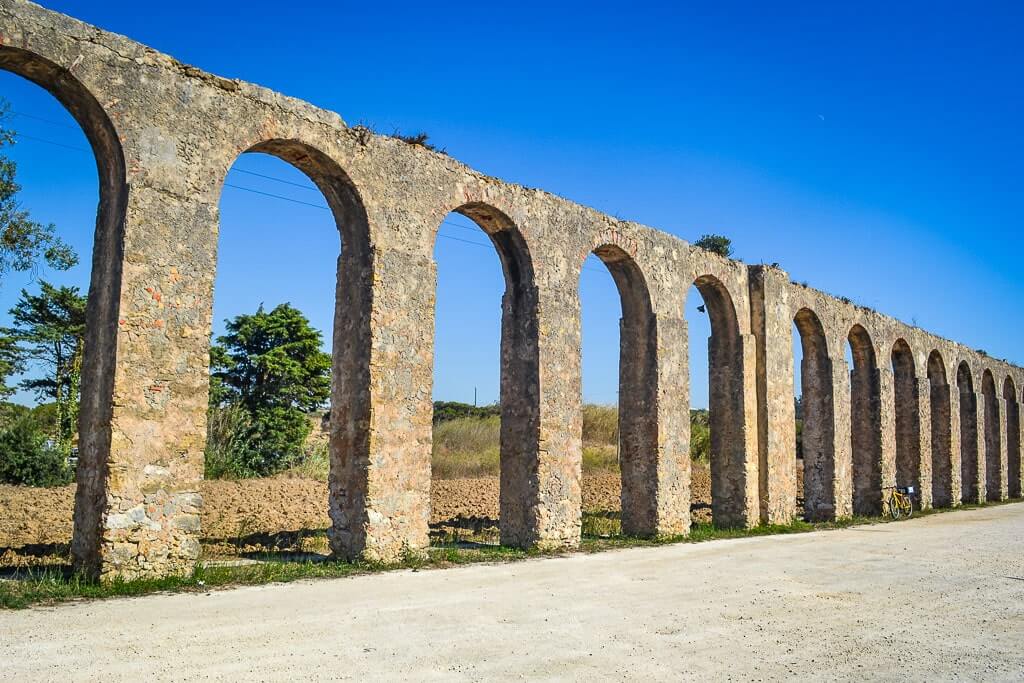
[895, 508]
[908, 506]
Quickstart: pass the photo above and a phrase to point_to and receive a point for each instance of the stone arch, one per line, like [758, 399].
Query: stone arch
[941, 437]
[338, 189]
[969, 455]
[100, 349]
[519, 391]
[819, 418]
[638, 392]
[993, 440]
[865, 423]
[729, 470]
[908, 421]
[1013, 445]
[351, 339]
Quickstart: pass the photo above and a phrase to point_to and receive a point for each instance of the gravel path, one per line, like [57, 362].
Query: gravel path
[935, 598]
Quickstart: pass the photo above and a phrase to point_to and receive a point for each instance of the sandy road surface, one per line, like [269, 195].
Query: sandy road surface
[936, 598]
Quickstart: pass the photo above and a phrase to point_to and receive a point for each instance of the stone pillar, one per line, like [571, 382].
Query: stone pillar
[955, 452]
[379, 488]
[842, 483]
[752, 508]
[1012, 442]
[1003, 450]
[638, 424]
[656, 478]
[887, 418]
[734, 453]
[866, 438]
[1018, 464]
[995, 453]
[145, 380]
[979, 486]
[772, 326]
[942, 445]
[922, 396]
[541, 453]
[908, 425]
[826, 442]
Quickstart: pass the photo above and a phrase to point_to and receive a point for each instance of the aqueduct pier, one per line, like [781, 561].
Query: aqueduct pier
[913, 409]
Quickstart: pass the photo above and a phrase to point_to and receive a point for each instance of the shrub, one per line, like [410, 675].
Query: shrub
[26, 459]
[11, 413]
[715, 243]
[600, 424]
[240, 444]
[603, 458]
[225, 440]
[314, 463]
[452, 410]
[419, 139]
[700, 441]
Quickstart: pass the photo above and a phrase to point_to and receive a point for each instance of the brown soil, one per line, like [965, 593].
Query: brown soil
[37, 522]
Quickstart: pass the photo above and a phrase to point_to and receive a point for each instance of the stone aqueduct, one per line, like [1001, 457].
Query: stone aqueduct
[913, 408]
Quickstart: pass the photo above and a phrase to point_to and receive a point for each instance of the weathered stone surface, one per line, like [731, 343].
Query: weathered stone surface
[165, 135]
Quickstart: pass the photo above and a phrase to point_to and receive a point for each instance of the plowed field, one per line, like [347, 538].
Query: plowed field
[35, 523]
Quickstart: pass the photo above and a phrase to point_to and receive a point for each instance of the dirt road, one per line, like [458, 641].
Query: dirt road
[934, 598]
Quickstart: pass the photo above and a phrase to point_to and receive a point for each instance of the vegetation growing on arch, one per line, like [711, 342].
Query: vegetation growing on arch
[717, 244]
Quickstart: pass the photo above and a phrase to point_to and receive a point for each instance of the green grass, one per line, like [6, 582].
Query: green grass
[601, 531]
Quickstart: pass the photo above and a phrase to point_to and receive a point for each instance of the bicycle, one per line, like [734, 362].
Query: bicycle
[898, 504]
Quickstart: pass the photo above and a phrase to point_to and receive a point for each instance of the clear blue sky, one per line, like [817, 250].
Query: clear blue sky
[873, 150]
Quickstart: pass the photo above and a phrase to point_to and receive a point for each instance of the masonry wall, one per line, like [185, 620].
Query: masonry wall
[165, 135]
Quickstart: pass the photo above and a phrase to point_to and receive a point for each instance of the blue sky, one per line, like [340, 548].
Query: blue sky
[873, 150]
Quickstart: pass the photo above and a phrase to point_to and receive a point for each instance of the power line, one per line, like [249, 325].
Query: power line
[304, 186]
[62, 124]
[277, 196]
[51, 142]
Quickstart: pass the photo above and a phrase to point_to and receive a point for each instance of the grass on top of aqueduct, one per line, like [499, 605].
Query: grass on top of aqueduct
[46, 586]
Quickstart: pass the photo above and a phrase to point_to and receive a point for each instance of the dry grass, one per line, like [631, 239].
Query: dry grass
[315, 464]
[468, 447]
[600, 425]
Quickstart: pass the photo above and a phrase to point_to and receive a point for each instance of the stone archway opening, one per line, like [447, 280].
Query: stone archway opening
[637, 394]
[865, 424]
[817, 416]
[941, 436]
[274, 415]
[993, 438]
[1013, 445]
[717, 433]
[99, 191]
[492, 451]
[969, 455]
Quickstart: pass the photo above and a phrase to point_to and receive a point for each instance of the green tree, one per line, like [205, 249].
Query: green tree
[716, 243]
[11, 363]
[272, 367]
[700, 434]
[27, 460]
[24, 243]
[48, 332]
